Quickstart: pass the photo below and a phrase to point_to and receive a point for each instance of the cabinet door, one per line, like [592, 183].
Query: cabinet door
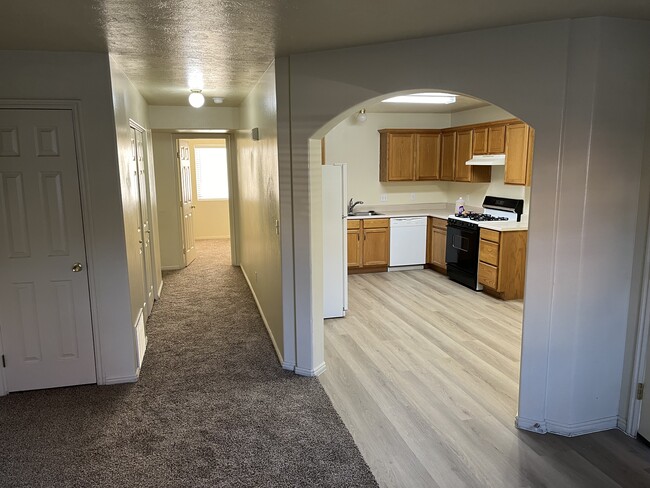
[401, 148]
[462, 172]
[516, 154]
[496, 141]
[354, 248]
[480, 140]
[447, 155]
[438, 247]
[375, 247]
[427, 157]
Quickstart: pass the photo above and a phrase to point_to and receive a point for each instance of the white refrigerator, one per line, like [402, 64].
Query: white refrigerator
[335, 241]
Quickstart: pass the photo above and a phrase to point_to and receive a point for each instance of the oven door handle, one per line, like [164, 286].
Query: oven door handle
[457, 240]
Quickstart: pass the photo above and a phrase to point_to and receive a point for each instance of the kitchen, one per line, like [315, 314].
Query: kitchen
[413, 165]
[416, 341]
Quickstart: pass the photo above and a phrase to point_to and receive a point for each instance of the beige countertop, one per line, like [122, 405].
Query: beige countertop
[439, 210]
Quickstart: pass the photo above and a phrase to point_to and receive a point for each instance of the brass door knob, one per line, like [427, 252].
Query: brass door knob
[77, 267]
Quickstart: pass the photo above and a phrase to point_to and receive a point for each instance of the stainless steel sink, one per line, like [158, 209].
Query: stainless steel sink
[369, 213]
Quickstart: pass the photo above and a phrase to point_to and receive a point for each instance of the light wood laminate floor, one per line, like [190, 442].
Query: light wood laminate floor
[425, 372]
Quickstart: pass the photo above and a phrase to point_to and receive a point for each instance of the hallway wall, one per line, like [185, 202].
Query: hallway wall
[259, 213]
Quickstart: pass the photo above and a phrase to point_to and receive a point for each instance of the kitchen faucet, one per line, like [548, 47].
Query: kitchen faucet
[352, 205]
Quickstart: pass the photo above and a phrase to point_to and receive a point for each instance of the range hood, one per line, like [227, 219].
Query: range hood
[487, 160]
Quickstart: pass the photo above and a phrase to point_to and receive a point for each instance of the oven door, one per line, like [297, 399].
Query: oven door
[462, 248]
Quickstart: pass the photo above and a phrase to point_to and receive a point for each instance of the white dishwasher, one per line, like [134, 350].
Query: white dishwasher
[408, 241]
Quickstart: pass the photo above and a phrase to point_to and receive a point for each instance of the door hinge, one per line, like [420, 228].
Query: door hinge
[639, 391]
[4, 363]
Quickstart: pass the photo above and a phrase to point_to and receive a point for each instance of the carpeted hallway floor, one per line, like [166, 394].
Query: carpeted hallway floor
[212, 407]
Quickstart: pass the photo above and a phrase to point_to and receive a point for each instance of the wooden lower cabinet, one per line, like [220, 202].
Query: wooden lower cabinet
[502, 262]
[437, 244]
[368, 245]
[354, 244]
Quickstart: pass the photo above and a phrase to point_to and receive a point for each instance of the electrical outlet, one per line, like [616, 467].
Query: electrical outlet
[383, 197]
[412, 197]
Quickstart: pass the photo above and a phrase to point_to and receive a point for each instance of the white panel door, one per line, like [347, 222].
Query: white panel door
[187, 203]
[45, 322]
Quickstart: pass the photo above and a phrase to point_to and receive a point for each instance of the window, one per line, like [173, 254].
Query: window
[211, 173]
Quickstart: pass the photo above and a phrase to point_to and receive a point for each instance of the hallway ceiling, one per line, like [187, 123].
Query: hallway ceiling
[168, 46]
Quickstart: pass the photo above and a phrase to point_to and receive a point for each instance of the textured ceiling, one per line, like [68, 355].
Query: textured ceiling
[168, 46]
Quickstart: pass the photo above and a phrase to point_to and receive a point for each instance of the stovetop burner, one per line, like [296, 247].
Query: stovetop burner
[479, 217]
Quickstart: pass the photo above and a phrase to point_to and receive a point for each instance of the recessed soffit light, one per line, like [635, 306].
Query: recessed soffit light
[440, 98]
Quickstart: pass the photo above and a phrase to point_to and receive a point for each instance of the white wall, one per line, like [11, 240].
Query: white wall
[190, 118]
[258, 204]
[86, 77]
[129, 106]
[168, 192]
[556, 76]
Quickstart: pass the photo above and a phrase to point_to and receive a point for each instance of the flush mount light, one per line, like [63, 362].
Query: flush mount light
[441, 98]
[217, 100]
[361, 116]
[196, 98]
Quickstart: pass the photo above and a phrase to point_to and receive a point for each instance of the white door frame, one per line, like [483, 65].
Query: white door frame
[641, 348]
[147, 183]
[82, 167]
[232, 186]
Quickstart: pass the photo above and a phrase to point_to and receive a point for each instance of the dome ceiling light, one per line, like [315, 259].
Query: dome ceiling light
[196, 98]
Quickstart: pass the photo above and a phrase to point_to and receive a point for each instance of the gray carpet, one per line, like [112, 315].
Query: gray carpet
[212, 407]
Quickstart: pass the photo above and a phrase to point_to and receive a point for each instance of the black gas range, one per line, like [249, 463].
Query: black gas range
[463, 237]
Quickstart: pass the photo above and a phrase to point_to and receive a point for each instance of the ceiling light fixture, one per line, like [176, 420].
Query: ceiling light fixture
[196, 98]
[361, 116]
[217, 100]
[441, 98]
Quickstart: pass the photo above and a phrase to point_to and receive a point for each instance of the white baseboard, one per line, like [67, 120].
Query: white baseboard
[621, 423]
[319, 370]
[288, 365]
[122, 379]
[159, 294]
[568, 430]
[266, 324]
[171, 268]
[532, 425]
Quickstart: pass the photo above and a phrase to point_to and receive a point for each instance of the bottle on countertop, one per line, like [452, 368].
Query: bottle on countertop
[460, 205]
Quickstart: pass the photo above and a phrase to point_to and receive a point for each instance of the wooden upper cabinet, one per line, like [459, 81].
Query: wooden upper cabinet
[480, 140]
[400, 149]
[409, 154]
[519, 150]
[462, 172]
[427, 157]
[464, 148]
[489, 139]
[496, 140]
[447, 155]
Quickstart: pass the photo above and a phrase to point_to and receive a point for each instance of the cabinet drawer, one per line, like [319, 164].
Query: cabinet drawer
[490, 235]
[375, 223]
[439, 223]
[354, 224]
[489, 252]
[488, 275]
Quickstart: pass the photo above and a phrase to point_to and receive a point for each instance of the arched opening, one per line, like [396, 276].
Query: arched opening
[411, 330]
